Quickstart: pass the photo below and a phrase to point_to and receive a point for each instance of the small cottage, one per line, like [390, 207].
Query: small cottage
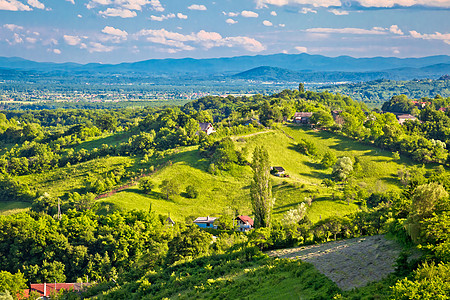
[169, 221]
[302, 117]
[278, 171]
[207, 128]
[206, 222]
[405, 117]
[244, 223]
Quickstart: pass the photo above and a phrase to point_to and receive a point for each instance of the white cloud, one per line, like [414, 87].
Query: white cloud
[273, 13]
[56, 51]
[181, 16]
[203, 38]
[267, 23]
[231, 14]
[394, 29]
[17, 40]
[282, 25]
[118, 12]
[80, 16]
[445, 37]
[72, 40]
[156, 5]
[13, 5]
[162, 17]
[306, 10]
[315, 3]
[73, 2]
[36, 4]
[249, 14]
[31, 40]
[301, 49]
[231, 21]
[404, 3]
[122, 7]
[114, 31]
[13, 27]
[374, 30]
[97, 47]
[197, 7]
[364, 3]
[338, 12]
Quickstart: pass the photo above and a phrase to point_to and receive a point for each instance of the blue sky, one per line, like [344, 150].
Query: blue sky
[113, 31]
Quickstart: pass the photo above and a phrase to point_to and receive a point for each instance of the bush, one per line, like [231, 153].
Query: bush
[191, 192]
[146, 184]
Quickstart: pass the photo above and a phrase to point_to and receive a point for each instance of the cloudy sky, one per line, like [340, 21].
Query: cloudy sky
[113, 31]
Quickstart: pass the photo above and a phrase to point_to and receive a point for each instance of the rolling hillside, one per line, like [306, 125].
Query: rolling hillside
[230, 189]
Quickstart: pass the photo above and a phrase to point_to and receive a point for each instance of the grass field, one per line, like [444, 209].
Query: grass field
[231, 189]
[8, 208]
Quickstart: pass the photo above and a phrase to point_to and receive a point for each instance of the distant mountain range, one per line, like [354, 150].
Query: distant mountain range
[284, 75]
[276, 67]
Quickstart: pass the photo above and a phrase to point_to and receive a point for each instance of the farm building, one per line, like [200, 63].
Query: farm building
[405, 117]
[207, 128]
[244, 223]
[206, 222]
[302, 117]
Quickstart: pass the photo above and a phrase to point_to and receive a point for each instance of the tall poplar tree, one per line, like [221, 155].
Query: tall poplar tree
[261, 188]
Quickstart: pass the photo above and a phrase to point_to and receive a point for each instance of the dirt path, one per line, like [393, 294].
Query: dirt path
[349, 263]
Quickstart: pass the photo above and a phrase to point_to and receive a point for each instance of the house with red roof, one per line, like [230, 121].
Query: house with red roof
[46, 290]
[244, 223]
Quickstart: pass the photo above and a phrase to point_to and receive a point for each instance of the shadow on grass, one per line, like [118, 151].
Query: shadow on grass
[114, 139]
[391, 179]
[152, 195]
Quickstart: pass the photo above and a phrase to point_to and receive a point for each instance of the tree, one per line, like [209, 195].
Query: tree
[425, 199]
[106, 122]
[301, 87]
[146, 184]
[12, 283]
[169, 187]
[191, 191]
[329, 159]
[342, 168]
[261, 188]
[322, 118]
[189, 244]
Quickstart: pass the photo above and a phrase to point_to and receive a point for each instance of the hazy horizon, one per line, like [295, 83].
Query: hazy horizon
[115, 31]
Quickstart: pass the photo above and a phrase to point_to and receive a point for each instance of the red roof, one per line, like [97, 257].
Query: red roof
[246, 219]
[49, 288]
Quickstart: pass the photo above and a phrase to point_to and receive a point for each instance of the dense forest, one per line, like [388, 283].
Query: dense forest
[72, 237]
[375, 93]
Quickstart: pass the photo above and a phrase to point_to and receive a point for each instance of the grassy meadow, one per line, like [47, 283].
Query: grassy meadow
[8, 208]
[231, 189]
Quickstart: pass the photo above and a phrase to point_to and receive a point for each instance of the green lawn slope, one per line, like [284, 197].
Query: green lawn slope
[231, 189]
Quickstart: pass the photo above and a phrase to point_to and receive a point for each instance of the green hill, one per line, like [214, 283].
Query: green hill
[230, 189]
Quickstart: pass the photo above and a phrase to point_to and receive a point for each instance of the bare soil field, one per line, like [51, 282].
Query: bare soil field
[349, 263]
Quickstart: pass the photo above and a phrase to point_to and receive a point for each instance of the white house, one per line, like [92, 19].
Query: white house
[244, 223]
[207, 128]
